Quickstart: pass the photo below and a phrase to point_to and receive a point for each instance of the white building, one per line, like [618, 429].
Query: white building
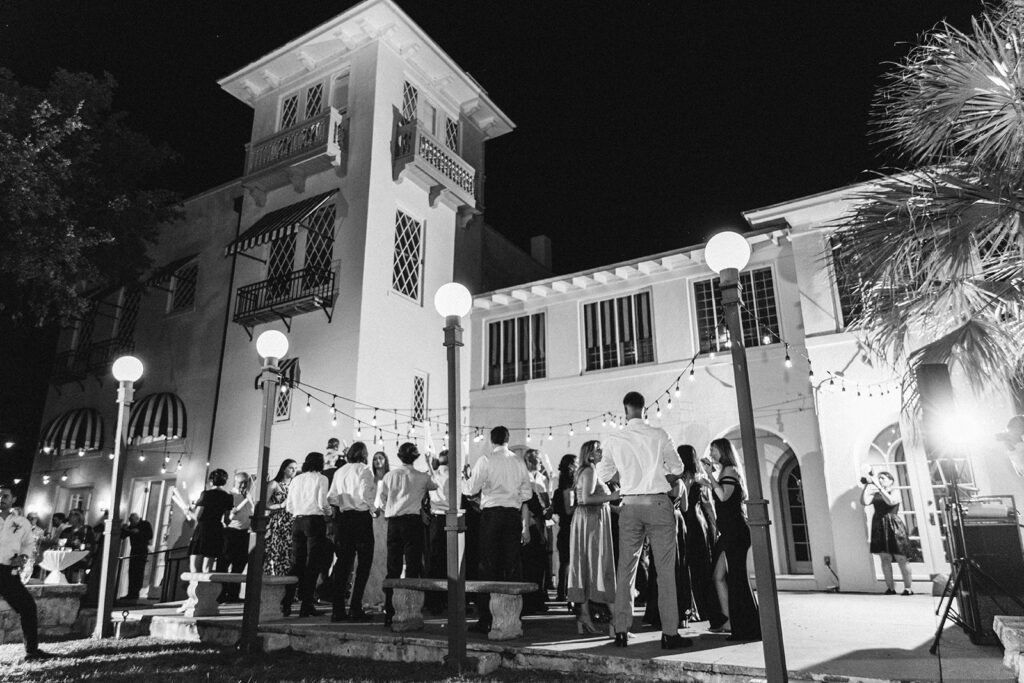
[363, 181]
[553, 358]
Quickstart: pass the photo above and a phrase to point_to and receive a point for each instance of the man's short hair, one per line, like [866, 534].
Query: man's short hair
[442, 457]
[634, 399]
[499, 436]
[333, 443]
[314, 462]
[408, 453]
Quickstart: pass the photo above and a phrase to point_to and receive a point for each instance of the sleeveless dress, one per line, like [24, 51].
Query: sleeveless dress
[888, 530]
[208, 536]
[278, 558]
[734, 542]
[373, 594]
[698, 560]
[591, 555]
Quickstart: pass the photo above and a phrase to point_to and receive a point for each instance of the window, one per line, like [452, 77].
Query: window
[618, 332]
[279, 265]
[289, 377]
[183, 287]
[451, 135]
[339, 95]
[408, 259]
[759, 315]
[319, 245]
[419, 398]
[848, 282]
[516, 349]
[290, 111]
[410, 101]
[129, 314]
[314, 100]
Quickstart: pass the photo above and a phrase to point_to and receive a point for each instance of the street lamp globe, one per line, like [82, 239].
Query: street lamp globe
[127, 369]
[727, 250]
[272, 344]
[453, 299]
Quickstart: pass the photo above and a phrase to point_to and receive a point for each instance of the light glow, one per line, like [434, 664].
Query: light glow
[453, 299]
[727, 249]
[272, 344]
[127, 369]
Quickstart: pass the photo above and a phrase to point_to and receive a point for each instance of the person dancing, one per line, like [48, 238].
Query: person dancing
[701, 532]
[889, 538]
[730, 554]
[591, 557]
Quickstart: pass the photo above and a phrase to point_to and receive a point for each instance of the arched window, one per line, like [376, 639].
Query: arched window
[794, 515]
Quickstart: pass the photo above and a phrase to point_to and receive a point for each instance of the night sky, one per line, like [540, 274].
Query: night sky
[642, 126]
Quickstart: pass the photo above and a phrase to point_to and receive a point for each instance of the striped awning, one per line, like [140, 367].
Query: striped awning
[277, 224]
[159, 416]
[289, 372]
[79, 429]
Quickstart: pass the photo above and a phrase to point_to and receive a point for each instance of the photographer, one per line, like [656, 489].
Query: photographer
[889, 538]
[16, 542]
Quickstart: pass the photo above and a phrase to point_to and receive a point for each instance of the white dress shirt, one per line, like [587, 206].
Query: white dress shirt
[439, 496]
[642, 455]
[353, 488]
[307, 495]
[16, 538]
[501, 479]
[402, 489]
[241, 514]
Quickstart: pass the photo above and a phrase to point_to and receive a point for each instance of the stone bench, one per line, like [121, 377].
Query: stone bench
[1010, 631]
[205, 587]
[57, 608]
[506, 603]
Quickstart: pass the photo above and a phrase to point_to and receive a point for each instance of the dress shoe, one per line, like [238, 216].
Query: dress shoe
[676, 642]
[309, 611]
[621, 639]
[38, 655]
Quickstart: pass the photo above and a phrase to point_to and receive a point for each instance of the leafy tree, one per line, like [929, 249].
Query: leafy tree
[79, 200]
[939, 249]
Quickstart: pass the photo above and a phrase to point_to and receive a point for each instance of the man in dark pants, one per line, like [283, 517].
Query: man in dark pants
[501, 479]
[307, 501]
[139, 533]
[16, 543]
[334, 460]
[352, 495]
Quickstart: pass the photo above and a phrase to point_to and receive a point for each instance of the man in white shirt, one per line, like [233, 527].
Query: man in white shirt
[646, 461]
[437, 541]
[352, 494]
[501, 479]
[16, 543]
[307, 502]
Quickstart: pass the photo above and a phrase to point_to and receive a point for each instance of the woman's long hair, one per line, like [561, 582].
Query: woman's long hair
[566, 472]
[379, 472]
[688, 454]
[727, 452]
[279, 477]
[586, 450]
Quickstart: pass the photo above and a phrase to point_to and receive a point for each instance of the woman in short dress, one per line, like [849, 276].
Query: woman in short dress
[730, 553]
[889, 539]
[278, 558]
[373, 596]
[591, 557]
[208, 537]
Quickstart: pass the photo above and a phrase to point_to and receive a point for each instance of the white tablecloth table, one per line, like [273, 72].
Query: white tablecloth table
[56, 561]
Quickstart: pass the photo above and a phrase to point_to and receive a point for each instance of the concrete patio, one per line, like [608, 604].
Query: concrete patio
[829, 637]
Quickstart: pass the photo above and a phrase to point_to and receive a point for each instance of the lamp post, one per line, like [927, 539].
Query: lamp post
[726, 254]
[453, 301]
[127, 370]
[272, 346]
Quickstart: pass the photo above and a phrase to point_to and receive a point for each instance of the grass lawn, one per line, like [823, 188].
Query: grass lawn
[148, 660]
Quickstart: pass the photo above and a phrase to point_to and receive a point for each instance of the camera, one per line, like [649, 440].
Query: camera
[871, 473]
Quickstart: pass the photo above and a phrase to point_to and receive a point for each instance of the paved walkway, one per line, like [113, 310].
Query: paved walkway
[852, 636]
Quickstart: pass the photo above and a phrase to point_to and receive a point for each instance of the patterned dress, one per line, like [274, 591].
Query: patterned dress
[278, 558]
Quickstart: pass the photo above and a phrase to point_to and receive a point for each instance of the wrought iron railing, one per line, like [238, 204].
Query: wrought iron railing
[102, 354]
[412, 142]
[280, 291]
[328, 130]
[93, 359]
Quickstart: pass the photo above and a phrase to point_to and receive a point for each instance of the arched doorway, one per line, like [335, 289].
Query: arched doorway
[790, 494]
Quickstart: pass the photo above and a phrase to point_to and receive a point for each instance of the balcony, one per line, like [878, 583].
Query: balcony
[297, 152]
[93, 360]
[424, 159]
[283, 297]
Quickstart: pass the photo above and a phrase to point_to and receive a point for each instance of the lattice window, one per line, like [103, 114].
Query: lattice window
[183, 287]
[848, 282]
[129, 314]
[408, 260]
[290, 111]
[451, 135]
[314, 100]
[320, 239]
[517, 349]
[618, 332]
[410, 101]
[280, 265]
[283, 403]
[759, 316]
[419, 398]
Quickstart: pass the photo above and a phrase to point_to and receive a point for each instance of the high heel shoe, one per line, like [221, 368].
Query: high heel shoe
[585, 625]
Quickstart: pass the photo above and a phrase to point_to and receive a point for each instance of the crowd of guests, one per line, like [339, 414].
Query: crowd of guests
[631, 519]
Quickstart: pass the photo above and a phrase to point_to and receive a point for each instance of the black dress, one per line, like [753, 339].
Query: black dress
[698, 560]
[734, 541]
[208, 537]
[888, 530]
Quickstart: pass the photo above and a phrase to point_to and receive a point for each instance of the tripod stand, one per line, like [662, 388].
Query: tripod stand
[965, 579]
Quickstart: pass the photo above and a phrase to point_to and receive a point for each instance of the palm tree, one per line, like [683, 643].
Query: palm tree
[939, 249]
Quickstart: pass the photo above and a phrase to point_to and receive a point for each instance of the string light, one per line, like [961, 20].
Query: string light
[766, 339]
[692, 377]
[142, 457]
[308, 407]
[677, 387]
[572, 432]
[588, 425]
[668, 406]
[284, 388]
[550, 435]
[359, 430]
[789, 361]
[81, 452]
[64, 477]
[529, 437]
[657, 407]
[604, 420]
[374, 421]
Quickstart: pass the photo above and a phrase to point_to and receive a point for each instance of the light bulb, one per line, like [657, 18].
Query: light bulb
[453, 299]
[334, 420]
[727, 249]
[604, 422]
[284, 388]
[81, 452]
[272, 344]
[359, 431]
[111, 456]
[658, 408]
[588, 425]
[572, 432]
[142, 458]
[127, 369]
[308, 407]
[766, 339]
[677, 385]
[550, 435]
[692, 377]
[668, 405]
[374, 420]
[789, 361]
[529, 438]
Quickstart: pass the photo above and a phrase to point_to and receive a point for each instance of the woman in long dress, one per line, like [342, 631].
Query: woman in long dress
[563, 507]
[889, 538]
[373, 596]
[278, 558]
[591, 556]
[730, 553]
[699, 518]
